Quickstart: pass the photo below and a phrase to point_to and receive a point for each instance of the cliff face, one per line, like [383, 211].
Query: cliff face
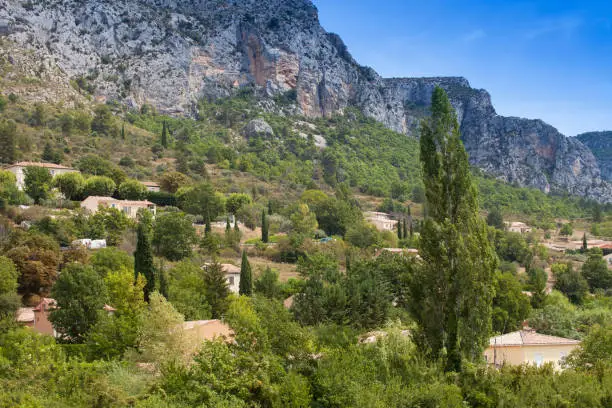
[600, 144]
[170, 53]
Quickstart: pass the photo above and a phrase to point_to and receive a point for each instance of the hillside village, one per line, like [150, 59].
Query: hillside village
[211, 204]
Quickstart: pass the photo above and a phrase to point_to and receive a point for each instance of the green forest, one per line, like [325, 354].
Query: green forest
[324, 316]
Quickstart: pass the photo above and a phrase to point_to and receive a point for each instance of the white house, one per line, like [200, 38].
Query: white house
[54, 170]
[516, 226]
[381, 221]
[130, 208]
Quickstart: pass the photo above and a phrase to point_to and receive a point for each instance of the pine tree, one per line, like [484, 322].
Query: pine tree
[217, 290]
[143, 256]
[453, 290]
[246, 276]
[164, 135]
[264, 227]
[585, 246]
[48, 154]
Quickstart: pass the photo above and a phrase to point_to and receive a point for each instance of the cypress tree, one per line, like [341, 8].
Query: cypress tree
[207, 228]
[123, 131]
[246, 277]
[411, 231]
[217, 290]
[236, 227]
[453, 290]
[8, 141]
[164, 135]
[143, 256]
[585, 246]
[399, 229]
[228, 226]
[405, 230]
[264, 227]
[269, 207]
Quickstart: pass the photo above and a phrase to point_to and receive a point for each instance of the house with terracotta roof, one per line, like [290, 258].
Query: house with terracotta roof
[208, 330]
[54, 169]
[528, 347]
[151, 186]
[129, 207]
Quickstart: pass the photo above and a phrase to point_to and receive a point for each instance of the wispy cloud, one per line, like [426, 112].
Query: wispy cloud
[565, 26]
[474, 35]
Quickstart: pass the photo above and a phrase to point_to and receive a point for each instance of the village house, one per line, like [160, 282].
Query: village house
[208, 330]
[54, 169]
[151, 186]
[519, 227]
[528, 347]
[232, 276]
[38, 317]
[381, 221]
[130, 208]
[397, 251]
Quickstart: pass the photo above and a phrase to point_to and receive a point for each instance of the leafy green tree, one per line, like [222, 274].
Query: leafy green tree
[537, 285]
[597, 216]
[566, 230]
[246, 276]
[103, 123]
[173, 236]
[511, 246]
[363, 235]
[268, 284]
[80, 294]
[368, 296]
[71, 185]
[132, 190]
[97, 166]
[595, 271]
[304, 221]
[9, 300]
[510, 305]
[265, 227]
[143, 256]
[37, 183]
[454, 291]
[570, 282]
[187, 290]
[217, 290]
[496, 219]
[37, 258]
[108, 260]
[110, 224]
[51, 155]
[595, 351]
[556, 317]
[8, 141]
[201, 200]
[99, 186]
[173, 180]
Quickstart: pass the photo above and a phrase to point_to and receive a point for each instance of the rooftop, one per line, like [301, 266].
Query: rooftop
[40, 164]
[528, 338]
[25, 315]
[150, 183]
[100, 199]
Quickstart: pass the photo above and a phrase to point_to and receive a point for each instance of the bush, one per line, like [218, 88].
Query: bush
[99, 186]
[132, 190]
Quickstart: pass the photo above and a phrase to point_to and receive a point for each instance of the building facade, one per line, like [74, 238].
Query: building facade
[54, 169]
[128, 207]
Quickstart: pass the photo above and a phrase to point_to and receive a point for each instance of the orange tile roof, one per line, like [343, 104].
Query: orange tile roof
[150, 183]
[101, 199]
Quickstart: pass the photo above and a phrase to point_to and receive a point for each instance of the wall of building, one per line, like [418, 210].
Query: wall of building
[532, 354]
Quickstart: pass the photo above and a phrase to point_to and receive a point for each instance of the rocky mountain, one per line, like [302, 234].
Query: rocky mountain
[600, 144]
[170, 53]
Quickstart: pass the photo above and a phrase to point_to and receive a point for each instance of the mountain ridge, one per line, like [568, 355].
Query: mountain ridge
[170, 53]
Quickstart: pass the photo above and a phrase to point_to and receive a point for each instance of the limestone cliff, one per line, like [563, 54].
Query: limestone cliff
[170, 53]
[600, 143]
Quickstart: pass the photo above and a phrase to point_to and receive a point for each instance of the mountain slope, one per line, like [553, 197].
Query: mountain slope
[600, 143]
[170, 53]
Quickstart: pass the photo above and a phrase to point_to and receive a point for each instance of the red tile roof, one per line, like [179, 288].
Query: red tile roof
[528, 338]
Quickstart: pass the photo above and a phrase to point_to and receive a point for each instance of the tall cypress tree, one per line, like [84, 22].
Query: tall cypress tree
[264, 227]
[123, 131]
[453, 290]
[164, 135]
[399, 229]
[405, 230]
[228, 226]
[269, 207]
[585, 246]
[143, 256]
[246, 277]
[207, 227]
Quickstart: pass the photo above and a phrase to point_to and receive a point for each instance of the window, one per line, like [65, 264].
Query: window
[127, 210]
[230, 280]
[539, 359]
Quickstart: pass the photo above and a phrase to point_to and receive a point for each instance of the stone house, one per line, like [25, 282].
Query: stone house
[381, 221]
[54, 169]
[129, 207]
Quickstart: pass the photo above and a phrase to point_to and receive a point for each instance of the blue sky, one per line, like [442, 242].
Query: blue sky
[550, 60]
